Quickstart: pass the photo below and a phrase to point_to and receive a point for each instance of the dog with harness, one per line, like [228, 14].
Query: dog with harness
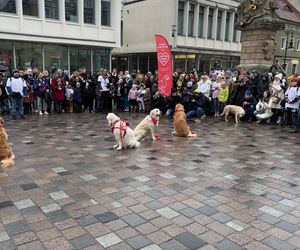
[123, 133]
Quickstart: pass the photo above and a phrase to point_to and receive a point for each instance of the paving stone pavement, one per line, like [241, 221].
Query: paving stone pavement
[232, 187]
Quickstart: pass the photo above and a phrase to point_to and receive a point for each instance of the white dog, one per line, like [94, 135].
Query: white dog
[263, 111]
[147, 125]
[124, 135]
[238, 111]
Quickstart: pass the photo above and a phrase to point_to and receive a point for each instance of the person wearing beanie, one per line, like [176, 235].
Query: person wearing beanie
[172, 101]
[277, 96]
[249, 105]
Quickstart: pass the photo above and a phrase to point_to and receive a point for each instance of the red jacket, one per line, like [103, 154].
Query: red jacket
[58, 91]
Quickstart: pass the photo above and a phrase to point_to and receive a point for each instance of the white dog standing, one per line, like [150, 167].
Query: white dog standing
[147, 125]
[124, 135]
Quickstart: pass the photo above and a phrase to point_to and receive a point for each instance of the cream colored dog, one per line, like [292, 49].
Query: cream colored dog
[6, 154]
[147, 125]
[238, 111]
[124, 135]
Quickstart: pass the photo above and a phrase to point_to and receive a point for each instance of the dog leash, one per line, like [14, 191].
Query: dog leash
[121, 129]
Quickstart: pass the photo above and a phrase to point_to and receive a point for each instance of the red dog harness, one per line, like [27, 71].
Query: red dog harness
[122, 128]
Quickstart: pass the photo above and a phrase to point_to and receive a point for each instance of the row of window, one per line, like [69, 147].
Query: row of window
[51, 56]
[210, 22]
[31, 8]
[284, 41]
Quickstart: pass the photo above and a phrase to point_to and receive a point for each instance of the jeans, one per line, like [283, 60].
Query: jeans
[170, 113]
[195, 113]
[216, 105]
[42, 104]
[17, 103]
[126, 102]
[298, 118]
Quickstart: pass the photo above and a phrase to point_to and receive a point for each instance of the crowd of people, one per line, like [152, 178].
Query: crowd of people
[266, 98]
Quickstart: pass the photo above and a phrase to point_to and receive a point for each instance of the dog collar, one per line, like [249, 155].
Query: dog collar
[154, 121]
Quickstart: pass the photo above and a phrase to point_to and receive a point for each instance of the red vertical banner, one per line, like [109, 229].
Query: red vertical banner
[164, 62]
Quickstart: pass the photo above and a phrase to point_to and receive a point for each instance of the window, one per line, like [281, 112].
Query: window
[6, 54]
[283, 43]
[28, 55]
[143, 63]
[80, 57]
[201, 21]
[294, 67]
[51, 9]
[56, 56]
[105, 12]
[235, 30]
[298, 45]
[210, 23]
[101, 59]
[227, 26]
[71, 10]
[89, 11]
[8, 6]
[30, 7]
[180, 18]
[191, 20]
[219, 24]
[133, 62]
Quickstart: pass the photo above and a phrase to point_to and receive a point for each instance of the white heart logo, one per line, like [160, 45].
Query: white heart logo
[163, 58]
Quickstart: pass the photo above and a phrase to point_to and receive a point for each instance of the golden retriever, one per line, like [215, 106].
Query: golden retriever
[181, 127]
[6, 154]
[147, 125]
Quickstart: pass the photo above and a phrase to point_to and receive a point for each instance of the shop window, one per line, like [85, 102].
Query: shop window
[56, 56]
[101, 59]
[28, 55]
[6, 55]
[80, 57]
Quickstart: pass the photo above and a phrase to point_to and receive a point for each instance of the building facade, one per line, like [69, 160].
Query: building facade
[51, 34]
[200, 32]
[288, 40]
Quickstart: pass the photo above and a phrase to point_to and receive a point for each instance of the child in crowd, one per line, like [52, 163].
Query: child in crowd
[215, 88]
[77, 96]
[132, 97]
[40, 87]
[223, 96]
[292, 100]
[119, 95]
[69, 98]
[249, 106]
[140, 98]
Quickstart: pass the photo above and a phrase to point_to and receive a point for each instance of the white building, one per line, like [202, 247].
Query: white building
[49, 34]
[201, 33]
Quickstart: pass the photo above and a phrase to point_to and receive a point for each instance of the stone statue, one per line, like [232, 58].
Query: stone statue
[258, 13]
[269, 47]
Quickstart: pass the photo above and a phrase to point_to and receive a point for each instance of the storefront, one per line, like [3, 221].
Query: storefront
[52, 56]
[182, 62]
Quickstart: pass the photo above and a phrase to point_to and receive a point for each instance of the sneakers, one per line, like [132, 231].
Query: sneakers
[46, 113]
[40, 113]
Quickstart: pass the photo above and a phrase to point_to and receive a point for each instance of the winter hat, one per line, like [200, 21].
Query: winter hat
[279, 76]
[248, 92]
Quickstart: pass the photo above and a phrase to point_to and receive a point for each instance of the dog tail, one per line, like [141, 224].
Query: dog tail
[223, 113]
[7, 163]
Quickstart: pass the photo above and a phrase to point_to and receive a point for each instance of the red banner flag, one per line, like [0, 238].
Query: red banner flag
[164, 62]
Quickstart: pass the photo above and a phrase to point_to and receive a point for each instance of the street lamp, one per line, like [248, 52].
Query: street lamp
[174, 30]
[289, 42]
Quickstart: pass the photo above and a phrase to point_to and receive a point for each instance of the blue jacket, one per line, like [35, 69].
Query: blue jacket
[77, 96]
